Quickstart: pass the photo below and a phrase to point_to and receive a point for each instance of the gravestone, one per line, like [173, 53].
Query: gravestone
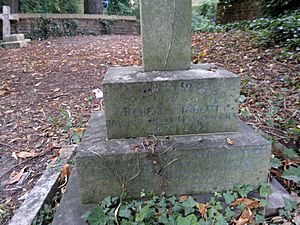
[11, 40]
[168, 126]
[166, 34]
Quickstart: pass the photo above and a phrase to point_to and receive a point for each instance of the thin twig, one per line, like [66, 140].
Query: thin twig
[168, 164]
[171, 146]
[10, 146]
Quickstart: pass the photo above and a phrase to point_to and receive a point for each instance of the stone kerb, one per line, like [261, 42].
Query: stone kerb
[203, 99]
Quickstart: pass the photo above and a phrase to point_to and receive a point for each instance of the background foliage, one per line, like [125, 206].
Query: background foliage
[282, 30]
[119, 7]
[49, 6]
[275, 8]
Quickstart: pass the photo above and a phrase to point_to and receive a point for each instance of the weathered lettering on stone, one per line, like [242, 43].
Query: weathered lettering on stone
[185, 102]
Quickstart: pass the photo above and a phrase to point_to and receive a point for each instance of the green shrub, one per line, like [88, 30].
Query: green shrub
[276, 8]
[282, 31]
[206, 8]
[50, 28]
[136, 10]
[203, 16]
[119, 7]
[203, 24]
[49, 6]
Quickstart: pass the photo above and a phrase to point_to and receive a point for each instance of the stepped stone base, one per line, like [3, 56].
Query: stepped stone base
[15, 41]
[189, 164]
[203, 99]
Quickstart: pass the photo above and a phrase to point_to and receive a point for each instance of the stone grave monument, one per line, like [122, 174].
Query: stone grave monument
[11, 40]
[168, 126]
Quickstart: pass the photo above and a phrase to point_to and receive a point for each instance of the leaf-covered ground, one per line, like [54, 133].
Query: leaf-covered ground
[46, 96]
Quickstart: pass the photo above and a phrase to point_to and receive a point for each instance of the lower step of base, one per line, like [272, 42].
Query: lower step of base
[176, 165]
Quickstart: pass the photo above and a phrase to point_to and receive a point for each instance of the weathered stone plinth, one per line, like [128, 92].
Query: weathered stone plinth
[203, 99]
[188, 164]
[15, 41]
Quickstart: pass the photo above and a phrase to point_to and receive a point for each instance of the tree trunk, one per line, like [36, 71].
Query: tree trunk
[14, 5]
[93, 7]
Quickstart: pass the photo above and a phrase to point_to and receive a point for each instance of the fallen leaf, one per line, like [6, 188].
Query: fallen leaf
[244, 217]
[183, 197]
[24, 155]
[16, 176]
[135, 148]
[203, 208]
[229, 141]
[79, 130]
[247, 202]
[65, 172]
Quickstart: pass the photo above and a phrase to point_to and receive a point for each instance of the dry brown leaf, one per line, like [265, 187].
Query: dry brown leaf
[230, 141]
[65, 172]
[16, 176]
[3, 93]
[79, 130]
[24, 155]
[203, 208]
[250, 203]
[135, 148]
[183, 197]
[244, 217]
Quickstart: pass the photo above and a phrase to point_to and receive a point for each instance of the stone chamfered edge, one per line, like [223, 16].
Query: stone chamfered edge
[203, 99]
[198, 163]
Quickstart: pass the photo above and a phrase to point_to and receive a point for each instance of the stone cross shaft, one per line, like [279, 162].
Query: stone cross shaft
[6, 18]
[166, 34]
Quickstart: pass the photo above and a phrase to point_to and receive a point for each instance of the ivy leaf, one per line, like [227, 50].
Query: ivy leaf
[243, 190]
[220, 220]
[275, 163]
[229, 213]
[85, 216]
[292, 173]
[144, 213]
[106, 202]
[260, 219]
[188, 205]
[190, 202]
[189, 220]
[97, 217]
[125, 212]
[290, 153]
[263, 203]
[229, 197]
[244, 112]
[264, 190]
[289, 205]
[203, 222]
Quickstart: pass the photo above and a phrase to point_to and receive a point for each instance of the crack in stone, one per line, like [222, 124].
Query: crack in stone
[173, 30]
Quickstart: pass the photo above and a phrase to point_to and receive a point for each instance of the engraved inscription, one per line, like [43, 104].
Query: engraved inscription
[169, 107]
